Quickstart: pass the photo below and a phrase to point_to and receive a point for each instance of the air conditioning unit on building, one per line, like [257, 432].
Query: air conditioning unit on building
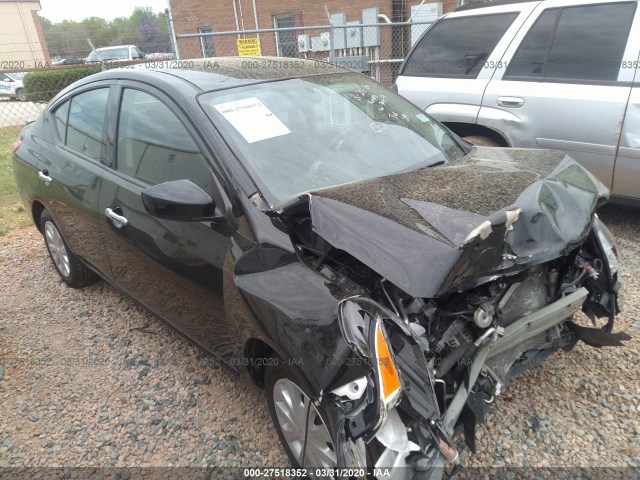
[304, 43]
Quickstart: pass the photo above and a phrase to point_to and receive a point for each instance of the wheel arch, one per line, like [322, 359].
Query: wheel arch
[473, 129]
[36, 212]
[255, 351]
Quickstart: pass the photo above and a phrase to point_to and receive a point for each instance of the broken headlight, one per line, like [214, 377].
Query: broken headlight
[608, 243]
[361, 324]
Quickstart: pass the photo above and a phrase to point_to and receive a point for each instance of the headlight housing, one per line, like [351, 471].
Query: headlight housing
[361, 324]
[608, 243]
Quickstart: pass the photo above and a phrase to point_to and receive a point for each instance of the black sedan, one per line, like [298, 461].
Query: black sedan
[381, 278]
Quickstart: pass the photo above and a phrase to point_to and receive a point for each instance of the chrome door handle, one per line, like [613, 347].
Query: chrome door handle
[118, 219]
[510, 102]
[43, 175]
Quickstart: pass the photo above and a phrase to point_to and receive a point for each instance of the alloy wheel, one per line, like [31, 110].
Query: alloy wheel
[57, 249]
[304, 429]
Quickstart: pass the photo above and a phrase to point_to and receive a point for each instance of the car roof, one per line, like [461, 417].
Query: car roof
[218, 73]
[475, 4]
[115, 46]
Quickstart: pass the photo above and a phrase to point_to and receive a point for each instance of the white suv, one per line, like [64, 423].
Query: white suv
[561, 74]
[118, 53]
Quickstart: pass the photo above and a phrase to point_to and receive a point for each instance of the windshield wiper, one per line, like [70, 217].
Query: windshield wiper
[435, 164]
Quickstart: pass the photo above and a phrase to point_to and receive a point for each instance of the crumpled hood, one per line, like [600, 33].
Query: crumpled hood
[443, 228]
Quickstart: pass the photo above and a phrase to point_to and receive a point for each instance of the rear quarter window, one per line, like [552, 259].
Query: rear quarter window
[458, 47]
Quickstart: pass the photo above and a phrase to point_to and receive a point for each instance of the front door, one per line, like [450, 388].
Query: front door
[174, 268]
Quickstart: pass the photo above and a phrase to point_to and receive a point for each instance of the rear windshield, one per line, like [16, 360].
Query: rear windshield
[458, 47]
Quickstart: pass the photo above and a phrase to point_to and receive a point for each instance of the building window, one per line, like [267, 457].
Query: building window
[208, 49]
[287, 41]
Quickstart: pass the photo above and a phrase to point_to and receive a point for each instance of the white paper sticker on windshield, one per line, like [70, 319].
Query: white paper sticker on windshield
[252, 119]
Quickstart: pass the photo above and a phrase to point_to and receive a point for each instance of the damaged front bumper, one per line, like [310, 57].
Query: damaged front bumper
[416, 429]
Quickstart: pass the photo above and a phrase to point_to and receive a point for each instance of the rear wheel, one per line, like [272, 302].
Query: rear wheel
[481, 141]
[20, 95]
[69, 267]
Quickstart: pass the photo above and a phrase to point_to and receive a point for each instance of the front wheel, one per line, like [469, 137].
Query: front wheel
[20, 95]
[301, 426]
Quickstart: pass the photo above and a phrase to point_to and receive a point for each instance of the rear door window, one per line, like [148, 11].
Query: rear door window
[86, 121]
[458, 47]
[529, 60]
[575, 43]
[61, 116]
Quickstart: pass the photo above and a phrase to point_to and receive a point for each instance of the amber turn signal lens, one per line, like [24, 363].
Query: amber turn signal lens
[387, 372]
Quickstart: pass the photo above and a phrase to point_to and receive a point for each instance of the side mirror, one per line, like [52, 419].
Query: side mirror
[179, 200]
[141, 55]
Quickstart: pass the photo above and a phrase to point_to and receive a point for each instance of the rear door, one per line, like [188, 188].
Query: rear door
[563, 86]
[626, 175]
[173, 268]
[71, 170]
[449, 68]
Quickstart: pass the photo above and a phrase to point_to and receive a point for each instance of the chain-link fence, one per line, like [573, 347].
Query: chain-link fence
[374, 49]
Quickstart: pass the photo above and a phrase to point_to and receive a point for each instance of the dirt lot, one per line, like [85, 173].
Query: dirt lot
[89, 379]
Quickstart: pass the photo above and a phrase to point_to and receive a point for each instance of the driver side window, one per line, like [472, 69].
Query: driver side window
[153, 144]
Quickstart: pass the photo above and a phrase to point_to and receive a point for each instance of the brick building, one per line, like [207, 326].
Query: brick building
[199, 16]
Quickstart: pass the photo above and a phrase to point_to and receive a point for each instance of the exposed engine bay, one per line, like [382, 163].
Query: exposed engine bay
[454, 353]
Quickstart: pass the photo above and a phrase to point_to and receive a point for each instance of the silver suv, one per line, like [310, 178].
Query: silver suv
[561, 74]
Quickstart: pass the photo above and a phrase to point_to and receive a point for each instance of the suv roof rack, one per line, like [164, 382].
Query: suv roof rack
[473, 4]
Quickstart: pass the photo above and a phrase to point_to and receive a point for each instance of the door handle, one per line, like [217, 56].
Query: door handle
[510, 102]
[119, 220]
[44, 176]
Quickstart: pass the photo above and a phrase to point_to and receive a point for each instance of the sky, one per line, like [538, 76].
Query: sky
[77, 10]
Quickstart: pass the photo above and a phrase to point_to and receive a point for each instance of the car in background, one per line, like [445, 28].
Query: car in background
[382, 279]
[69, 61]
[11, 86]
[160, 56]
[120, 53]
[560, 74]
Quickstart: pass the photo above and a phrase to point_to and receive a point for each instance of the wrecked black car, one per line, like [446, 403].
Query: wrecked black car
[381, 278]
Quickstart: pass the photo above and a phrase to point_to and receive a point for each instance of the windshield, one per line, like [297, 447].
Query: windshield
[303, 134]
[107, 54]
[16, 76]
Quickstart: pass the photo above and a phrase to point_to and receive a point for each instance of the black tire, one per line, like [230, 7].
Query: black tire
[481, 141]
[276, 370]
[20, 95]
[77, 275]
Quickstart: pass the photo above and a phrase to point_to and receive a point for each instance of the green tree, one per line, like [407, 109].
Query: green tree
[143, 28]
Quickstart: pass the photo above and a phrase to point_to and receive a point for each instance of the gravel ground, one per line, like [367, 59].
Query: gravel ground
[90, 379]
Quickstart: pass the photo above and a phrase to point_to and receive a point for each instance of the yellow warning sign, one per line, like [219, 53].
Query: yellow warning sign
[248, 47]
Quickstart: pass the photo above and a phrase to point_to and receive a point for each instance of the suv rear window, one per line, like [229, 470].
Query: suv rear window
[575, 43]
[458, 47]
